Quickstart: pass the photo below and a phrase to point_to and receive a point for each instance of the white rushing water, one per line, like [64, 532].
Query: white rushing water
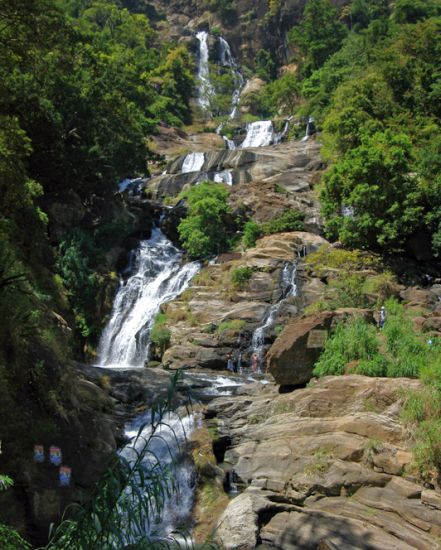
[227, 60]
[288, 287]
[225, 176]
[193, 162]
[205, 88]
[259, 134]
[310, 128]
[159, 277]
[163, 448]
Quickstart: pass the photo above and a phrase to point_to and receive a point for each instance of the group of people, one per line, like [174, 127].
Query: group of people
[236, 366]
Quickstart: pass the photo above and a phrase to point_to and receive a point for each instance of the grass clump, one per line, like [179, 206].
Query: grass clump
[354, 341]
[160, 335]
[235, 325]
[289, 220]
[240, 276]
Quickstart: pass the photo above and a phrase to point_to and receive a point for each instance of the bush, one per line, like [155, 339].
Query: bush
[235, 325]
[240, 276]
[160, 334]
[289, 220]
[352, 341]
[204, 230]
[11, 540]
[252, 231]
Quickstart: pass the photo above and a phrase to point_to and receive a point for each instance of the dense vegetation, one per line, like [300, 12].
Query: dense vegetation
[370, 75]
[207, 228]
[398, 349]
[82, 86]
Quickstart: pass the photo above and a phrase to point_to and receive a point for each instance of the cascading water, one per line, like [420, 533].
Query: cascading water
[205, 88]
[193, 162]
[227, 60]
[225, 176]
[310, 129]
[259, 134]
[288, 287]
[159, 277]
[163, 448]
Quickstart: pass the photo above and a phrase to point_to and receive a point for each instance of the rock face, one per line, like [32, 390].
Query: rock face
[324, 467]
[213, 318]
[292, 357]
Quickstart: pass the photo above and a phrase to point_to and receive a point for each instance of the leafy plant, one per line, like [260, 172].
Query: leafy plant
[204, 231]
[240, 276]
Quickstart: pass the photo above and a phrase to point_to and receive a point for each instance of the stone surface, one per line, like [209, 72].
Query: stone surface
[197, 318]
[292, 357]
[310, 461]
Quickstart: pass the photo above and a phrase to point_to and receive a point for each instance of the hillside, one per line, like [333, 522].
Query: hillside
[186, 182]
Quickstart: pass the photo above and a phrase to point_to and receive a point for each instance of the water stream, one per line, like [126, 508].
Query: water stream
[158, 277]
[205, 88]
[288, 287]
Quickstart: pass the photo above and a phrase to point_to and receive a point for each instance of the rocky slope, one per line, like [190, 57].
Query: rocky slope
[328, 466]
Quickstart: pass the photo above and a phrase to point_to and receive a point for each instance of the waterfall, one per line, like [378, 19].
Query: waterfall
[159, 277]
[227, 60]
[205, 89]
[310, 128]
[280, 135]
[230, 143]
[225, 176]
[193, 162]
[259, 134]
[288, 287]
[166, 457]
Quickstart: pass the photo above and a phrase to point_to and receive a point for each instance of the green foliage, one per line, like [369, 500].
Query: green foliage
[289, 220]
[235, 325]
[204, 231]
[160, 334]
[319, 34]
[240, 276]
[411, 11]
[328, 257]
[396, 350]
[354, 341]
[373, 180]
[265, 65]
[11, 540]
[251, 232]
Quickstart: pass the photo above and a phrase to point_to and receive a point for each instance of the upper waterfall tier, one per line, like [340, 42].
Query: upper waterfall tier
[259, 134]
[159, 277]
[205, 88]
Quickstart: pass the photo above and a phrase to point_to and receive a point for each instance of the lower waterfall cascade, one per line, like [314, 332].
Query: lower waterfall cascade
[159, 277]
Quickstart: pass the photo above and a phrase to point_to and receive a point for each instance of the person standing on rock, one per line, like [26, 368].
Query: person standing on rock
[230, 364]
[254, 362]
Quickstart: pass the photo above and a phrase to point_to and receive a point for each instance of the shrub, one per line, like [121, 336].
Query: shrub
[289, 220]
[11, 540]
[351, 341]
[204, 231]
[160, 334]
[240, 276]
[252, 231]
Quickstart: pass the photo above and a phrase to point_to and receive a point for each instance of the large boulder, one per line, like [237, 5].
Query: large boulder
[292, 357]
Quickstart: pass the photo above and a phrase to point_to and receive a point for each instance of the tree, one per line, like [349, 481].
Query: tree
[319, 35]
[411, 11]
[369, 199]
[204, 231]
